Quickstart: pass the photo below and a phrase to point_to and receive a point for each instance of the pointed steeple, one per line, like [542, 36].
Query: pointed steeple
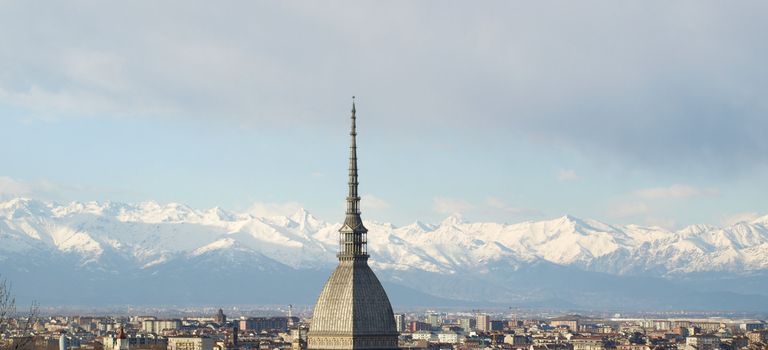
[352, 240]
[353, 311]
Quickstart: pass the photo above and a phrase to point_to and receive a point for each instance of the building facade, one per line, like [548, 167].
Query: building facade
[157, 326]
[220, 318]
[702, 342]
[400, 322]
[468, 324]
[190, 343]
[483, 323]
[259, 324]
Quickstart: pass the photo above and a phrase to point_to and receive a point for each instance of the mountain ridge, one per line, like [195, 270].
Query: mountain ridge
[110, 240]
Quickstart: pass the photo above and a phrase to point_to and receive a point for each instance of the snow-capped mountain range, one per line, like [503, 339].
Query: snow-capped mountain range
[110, 243]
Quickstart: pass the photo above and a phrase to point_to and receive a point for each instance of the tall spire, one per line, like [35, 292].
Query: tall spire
[353, 311]
[352, 235]
[353, 201]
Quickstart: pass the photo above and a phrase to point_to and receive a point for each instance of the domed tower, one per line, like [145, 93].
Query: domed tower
[353, 311]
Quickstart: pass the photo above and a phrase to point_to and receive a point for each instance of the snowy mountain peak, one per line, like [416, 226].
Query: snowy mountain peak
[582, 225]
[218, 214]
[423, 226]
[23, 207]
[224, 243]
[763, 220]
[569, 221]
[452, 220]
[150, 234]
[696, 229]
[301, 215]
[305, 220]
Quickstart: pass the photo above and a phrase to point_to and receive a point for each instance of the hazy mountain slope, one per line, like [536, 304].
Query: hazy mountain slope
[174, 251]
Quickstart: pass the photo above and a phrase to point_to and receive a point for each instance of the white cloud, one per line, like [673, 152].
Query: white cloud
[369, 201]
[234, 70]
[266, 209]
[492, 209]
[49, 190]
[499, 204]
[644, 204]
[674, 191]
[10, 187]
[44, 189]
[628, 209]
[640, 212]
[739, 217]
[566, 175]
[665, 223]
[497, 209]
[445, 205]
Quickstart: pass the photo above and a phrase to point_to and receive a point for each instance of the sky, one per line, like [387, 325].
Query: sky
[652, 113]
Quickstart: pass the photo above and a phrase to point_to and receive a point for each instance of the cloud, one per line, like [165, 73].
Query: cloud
[665, 223]
[739, 217]
[639, 86]
[499, 204]
[45, 189]
[674, 191]
[640, 212]
[491, 209]
[653, 206]
[643, 204]
[369, 201]
[567, 175]
[267, 209]
[12, 188]
[629, 209]
[445, 205]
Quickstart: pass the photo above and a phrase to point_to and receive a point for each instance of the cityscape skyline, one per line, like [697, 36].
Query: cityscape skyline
[427, 329]
[536, 175]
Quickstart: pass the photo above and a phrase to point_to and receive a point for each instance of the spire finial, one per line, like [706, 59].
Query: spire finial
[353, 233]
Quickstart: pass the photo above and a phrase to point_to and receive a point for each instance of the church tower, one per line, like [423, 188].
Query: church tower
[353, 311]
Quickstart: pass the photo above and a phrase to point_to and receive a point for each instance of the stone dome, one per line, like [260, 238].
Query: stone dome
[353, 302]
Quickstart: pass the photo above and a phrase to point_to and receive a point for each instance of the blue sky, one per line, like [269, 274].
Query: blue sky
[651, 113]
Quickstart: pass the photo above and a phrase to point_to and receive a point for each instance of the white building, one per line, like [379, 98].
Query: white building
[516, 339]
[157, 326]
[124, 342]
[422, 335]
[751, 326]
[190, 343]
[483, 323]
[448, 337]
[400, 322]
[702, 342]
